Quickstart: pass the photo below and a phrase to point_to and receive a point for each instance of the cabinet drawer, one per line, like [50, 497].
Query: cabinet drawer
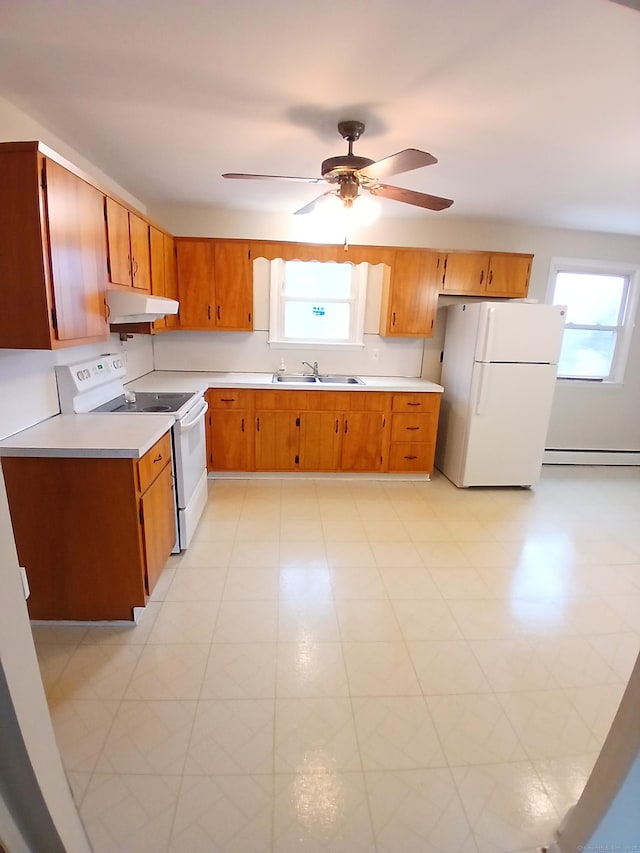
[404, 456]
[153, 462]
[411, 427]
[229, 398]
[415, 402]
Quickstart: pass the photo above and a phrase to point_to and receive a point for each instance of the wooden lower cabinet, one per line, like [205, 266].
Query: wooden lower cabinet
[320, 441]
[230, 441]
[230, 430]
[277, 437]
[158, 525]
[363, 441]
[324, 431]
[93, 534]
[414, 424]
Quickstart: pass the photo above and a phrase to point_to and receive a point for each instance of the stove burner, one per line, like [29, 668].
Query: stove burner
[156, 408]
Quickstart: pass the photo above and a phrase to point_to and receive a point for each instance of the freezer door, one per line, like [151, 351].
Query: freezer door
[519, 332]
[508, 418]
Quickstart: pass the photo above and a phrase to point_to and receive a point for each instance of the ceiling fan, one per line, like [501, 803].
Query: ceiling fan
[350, 173]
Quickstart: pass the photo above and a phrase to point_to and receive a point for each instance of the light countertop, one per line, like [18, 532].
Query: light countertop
[174, 380]
[90, 436]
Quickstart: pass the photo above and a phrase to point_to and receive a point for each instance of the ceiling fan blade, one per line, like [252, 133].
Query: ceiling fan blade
[309, 208]
[430, 202]
[403, 161]
[243, 177]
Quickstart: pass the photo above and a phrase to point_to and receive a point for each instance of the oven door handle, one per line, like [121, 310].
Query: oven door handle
[200, 412]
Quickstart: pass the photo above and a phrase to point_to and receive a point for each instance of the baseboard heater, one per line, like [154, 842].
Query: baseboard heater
[556, 456]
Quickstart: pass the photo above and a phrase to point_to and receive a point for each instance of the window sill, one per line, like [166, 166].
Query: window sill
[314, 345]
[589, 383]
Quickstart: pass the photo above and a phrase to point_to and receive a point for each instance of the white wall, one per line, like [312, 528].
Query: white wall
[583, 417]
[17, 126]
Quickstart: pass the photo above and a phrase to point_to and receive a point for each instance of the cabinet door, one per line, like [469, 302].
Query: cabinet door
[170, 278]
[413, 294]
[233, 287]
[466, 272]
[118, 242]
[229, 441]
[320, 434]
[77, 253]
[277, 441]
[362, 441]
[508, 275]
[156, 242]
[140, 254]
[158, 525]
[195, 284]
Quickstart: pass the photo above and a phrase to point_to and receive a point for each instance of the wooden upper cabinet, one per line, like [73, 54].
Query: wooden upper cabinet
[52, 253]
[140, 253]
[128, 244]
[509, 275]
[233, 283]
[195, 284]
[485, 273]
[119, 244]
[410, 294]
[215, 285]
[465, 272]
[170, 278]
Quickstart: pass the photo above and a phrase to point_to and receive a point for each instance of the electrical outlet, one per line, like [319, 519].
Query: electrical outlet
[375, 354]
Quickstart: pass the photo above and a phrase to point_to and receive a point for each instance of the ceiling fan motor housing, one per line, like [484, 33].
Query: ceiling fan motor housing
[347, 164]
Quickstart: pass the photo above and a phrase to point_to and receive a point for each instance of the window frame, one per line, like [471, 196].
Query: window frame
[624, 328]
[278, 300]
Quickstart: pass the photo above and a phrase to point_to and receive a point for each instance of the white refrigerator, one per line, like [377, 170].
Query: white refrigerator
[498, 372]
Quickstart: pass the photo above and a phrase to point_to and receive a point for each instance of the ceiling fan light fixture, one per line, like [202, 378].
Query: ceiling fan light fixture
[347, 213]
[362, 210]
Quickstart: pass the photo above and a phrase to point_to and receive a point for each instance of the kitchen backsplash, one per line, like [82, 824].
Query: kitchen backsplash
[250, 352]
[28, 382]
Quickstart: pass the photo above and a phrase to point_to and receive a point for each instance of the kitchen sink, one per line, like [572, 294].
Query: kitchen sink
[341, 380]
[324, 378]
[293, 379]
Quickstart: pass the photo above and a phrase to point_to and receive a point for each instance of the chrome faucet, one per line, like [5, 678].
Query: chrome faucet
[313, 367]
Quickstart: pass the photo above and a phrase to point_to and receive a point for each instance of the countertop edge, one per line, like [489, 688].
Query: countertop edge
[160, 380]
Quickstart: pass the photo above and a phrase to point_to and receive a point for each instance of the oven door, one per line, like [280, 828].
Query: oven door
[190, 454]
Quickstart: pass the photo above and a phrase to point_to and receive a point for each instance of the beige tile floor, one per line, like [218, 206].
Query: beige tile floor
[346, 665]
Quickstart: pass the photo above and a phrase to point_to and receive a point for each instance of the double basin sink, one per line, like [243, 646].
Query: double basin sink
[311, 379]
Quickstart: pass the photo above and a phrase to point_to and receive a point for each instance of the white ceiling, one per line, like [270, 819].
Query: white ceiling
[532, 107]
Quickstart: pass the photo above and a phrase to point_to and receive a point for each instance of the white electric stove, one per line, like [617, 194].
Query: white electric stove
[97, 386]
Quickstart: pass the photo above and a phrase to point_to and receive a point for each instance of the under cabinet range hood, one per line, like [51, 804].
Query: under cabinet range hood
[127, 306]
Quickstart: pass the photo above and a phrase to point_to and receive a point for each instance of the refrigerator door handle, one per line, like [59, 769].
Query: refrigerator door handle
[488, 338]
[482, 390]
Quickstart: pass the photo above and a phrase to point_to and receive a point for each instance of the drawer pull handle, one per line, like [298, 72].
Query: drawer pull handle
[412, 428]
[410, 457]
[227, 399]
[158, 458]
[414, 404]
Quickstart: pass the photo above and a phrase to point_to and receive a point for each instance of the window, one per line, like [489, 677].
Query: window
[317, 302]
[601, 303]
